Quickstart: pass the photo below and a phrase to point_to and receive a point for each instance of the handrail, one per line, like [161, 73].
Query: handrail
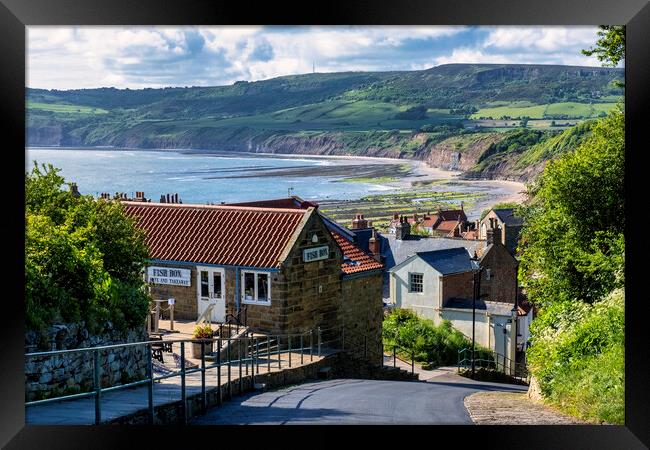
[515, 369]
[314, 335]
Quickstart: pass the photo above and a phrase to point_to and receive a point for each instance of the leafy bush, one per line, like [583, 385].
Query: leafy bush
[83, 258]
[577, 355]
[438, 345]
[202, 332]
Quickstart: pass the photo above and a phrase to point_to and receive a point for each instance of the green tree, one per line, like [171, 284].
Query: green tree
[572, 244]
[610, 47]
[83, 257]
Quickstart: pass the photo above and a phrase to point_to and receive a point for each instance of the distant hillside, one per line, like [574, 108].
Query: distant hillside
[396, 114]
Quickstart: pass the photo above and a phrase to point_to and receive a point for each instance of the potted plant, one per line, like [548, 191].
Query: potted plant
[204, 334]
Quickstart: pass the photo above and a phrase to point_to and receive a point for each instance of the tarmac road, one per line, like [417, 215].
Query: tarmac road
[348, 402]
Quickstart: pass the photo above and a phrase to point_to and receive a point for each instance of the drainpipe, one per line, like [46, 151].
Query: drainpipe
[237, 294]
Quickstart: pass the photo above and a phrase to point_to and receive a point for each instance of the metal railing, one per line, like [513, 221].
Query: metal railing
[500, 363]
[253, 353]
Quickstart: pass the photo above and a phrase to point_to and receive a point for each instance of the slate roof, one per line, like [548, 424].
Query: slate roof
[449, 261]
[396, 251]
[507, 216]
[216, 234]
[499, 308]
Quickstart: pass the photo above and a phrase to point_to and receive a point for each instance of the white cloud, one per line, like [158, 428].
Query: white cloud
[135, 57]
[468, 55]
[547, 39]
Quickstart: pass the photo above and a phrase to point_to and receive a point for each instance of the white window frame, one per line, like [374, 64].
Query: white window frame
[409, 283]
[242, 291]
[210, 271]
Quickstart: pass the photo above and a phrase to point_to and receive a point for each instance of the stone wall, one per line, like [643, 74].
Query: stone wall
[186, 304]
[69, 373]
[361, 314]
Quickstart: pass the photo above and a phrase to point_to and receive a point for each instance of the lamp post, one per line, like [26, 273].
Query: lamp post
[477, 293]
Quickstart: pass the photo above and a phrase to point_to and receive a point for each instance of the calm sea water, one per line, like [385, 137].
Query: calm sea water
[197, 178]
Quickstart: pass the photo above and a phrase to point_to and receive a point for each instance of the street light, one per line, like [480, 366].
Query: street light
[477, 294]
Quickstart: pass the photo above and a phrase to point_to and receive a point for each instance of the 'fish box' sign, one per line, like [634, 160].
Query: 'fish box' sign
[315, 253]
[169, 275]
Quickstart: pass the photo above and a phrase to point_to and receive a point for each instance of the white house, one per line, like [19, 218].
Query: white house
[439, 285]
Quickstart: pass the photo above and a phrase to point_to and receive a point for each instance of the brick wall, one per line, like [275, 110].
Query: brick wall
[458, 285]
[503, 275]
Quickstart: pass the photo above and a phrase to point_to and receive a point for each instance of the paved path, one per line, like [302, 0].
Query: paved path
[507, 408]
[344, 401]
[127, 401]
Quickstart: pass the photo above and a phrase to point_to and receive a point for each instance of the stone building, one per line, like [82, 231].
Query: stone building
[504, 222]
[276, 264]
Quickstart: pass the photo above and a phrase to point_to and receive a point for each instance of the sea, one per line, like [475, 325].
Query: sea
[199, 177]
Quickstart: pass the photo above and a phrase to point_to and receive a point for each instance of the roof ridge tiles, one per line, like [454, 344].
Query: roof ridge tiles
[215, 207]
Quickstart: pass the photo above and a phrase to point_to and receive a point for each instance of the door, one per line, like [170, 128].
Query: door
[211, 292]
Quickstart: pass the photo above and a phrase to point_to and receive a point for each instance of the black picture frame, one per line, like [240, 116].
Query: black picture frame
[15, 15]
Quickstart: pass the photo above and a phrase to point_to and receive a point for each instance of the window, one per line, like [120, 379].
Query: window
[204, 284]
[415, 282]
[256, 287]
[216, 277]
[488, 274]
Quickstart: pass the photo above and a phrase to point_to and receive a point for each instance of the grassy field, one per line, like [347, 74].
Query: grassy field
[65, 109]
[569, 109]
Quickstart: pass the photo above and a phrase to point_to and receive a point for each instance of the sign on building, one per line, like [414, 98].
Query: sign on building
[315, 253]
[169, 275]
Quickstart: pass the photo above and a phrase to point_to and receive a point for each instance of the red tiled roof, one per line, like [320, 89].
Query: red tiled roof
[223, 235]
[361, 261]
[453, 214]
[430, 221]
[447, 225]
[472, 234]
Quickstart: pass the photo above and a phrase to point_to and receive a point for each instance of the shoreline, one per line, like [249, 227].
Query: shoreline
[419, 171]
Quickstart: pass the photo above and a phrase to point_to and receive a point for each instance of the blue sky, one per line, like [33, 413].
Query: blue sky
[139, 57]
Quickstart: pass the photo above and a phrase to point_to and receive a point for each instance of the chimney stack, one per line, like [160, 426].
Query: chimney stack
[374, 246]
[403, 229]
[359, 222]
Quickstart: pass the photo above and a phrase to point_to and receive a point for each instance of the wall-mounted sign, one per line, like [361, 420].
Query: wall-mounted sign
[315, 253]
[169, 275]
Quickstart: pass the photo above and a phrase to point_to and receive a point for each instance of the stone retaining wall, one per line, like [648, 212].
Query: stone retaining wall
[69, 373]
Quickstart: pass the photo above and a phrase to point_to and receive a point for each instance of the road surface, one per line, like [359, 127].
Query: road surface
[346, 401]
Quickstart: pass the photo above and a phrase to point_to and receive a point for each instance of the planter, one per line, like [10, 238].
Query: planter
[196, 348]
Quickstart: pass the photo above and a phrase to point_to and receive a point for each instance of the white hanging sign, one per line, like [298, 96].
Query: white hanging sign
[169, 275]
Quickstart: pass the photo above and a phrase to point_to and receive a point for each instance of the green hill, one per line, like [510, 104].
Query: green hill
[396, 114]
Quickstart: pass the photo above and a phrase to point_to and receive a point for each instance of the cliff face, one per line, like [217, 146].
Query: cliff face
[457, 153]
[461, 153]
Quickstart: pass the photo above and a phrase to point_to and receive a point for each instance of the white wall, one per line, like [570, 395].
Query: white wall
[423, 303]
